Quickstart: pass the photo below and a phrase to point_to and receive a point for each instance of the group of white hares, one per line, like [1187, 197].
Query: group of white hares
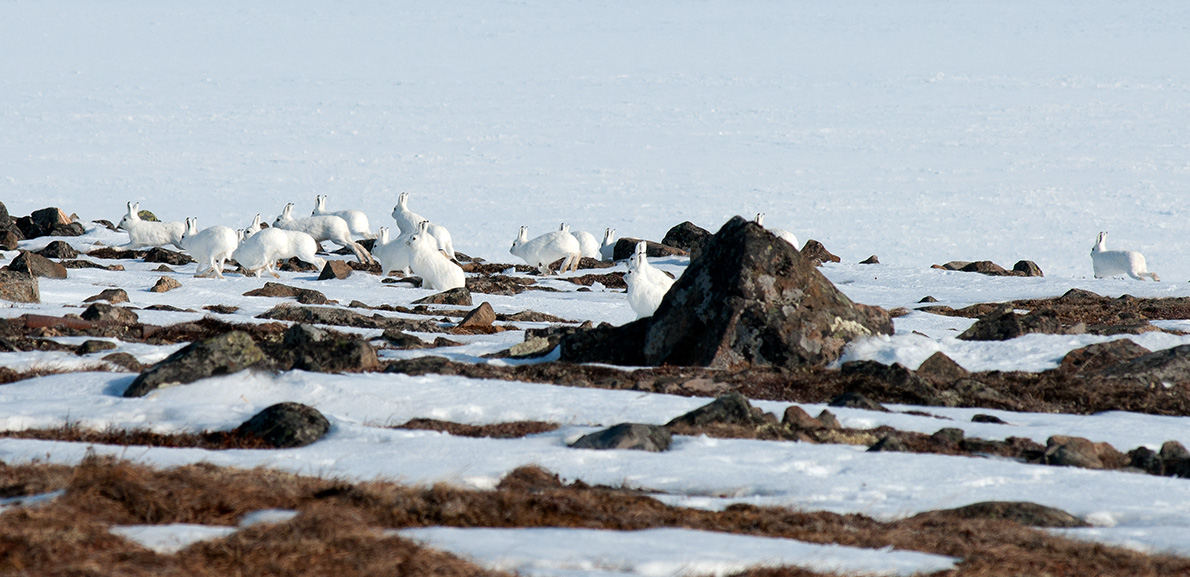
[423, 249]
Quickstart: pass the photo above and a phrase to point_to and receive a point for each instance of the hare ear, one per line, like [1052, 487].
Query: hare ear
[136, 207]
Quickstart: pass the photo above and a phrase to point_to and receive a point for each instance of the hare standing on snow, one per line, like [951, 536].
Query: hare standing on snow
[546, 249]
[425, 259]
[408, 220]
[211, 246]
[647, 285]
[392, 254]
[357, 221]
[148, 233]
[588, 246]
[607, 249]
[261, 251]
[782, 234]
[322, 228]
[1113, 262]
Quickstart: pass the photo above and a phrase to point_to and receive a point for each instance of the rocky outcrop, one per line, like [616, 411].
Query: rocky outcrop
[286, 426]
[634, 436]
[751, 300]
[220, 355]
[48, 222]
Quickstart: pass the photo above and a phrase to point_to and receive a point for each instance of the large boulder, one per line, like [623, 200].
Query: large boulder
[750, 300]
[227, 353]
[19, 287]
[37, 265]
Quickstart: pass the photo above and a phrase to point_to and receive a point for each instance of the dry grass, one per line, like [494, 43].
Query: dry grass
[338, 530]
[212, 440]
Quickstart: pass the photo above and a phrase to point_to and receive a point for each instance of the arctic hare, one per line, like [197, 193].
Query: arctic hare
[546, 249]
[782, 234]
[148, 233]
[1113, 262]
[211, 246]
[647, 284]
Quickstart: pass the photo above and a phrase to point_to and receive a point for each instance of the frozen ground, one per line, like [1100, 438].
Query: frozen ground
[922, 132]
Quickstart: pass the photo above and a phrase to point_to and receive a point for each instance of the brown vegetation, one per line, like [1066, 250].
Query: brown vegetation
[339, 527]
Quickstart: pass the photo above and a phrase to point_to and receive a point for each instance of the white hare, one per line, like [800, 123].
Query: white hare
[546, 249]
[211, 246]
[392, 254]
[357, 221]
[607, 249]
[261, 251]
[426, 261]
[148, 233]
[408, 220]
[322, 228]
[647, 284]
[1113, 262]
[254, 228]
[588, 246]
[782, 234]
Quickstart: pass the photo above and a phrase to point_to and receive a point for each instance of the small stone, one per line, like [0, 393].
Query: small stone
[982, 418]
[58, 249]
[94, 346]
[634, 436]
[532, 347]
[732, 408]
[940, 368]
[855, 400]
[949, 435]
[113, 296]
[221, 309]
[335, 269]
[829, 420]
[928, 299]
[455, 296]
[103, 312]
[278, 290]
[124, 361]
[166, 256]
[286, 425]
[1067, 451]
[481, 316]
[1027, 268]
[404, 341]
[796, 418]
[889, 443]
[816, 253]
[870, 260]
[165, 284]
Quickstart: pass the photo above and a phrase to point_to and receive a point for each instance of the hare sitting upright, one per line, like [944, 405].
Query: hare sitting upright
[1113, 262]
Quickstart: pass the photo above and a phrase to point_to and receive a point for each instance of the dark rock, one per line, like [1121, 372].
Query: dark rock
[221, 309]
[166, 256]
[296, 265]
[889, 443]
[611, 280]
[1080, 296]
[854, 400]
[278, 290]
[1027, 268]
[113, 296]
[108, 252]
[1066, 451]
[227, 353]
[455, 296]
[5, 218]
[58, 249]
[370, 268]
[19, 287]
[949, 436]
[622, 345]
[286, 425]
[165, 284]
[751, 300]
[72, 229]
[952, 265]
[1099, 356]
[125, 361]
[688, 237]
[1146, 460]
[37, 265]
[346, 318]
[941, 368]
[908, 385]
[335, 269]
[797, 419]
[814, 252]
[481, 316]
[1173, 450]
[80, 263]
[730, 409]
[982, 418]
[404, 341]
[626, 246]
[47, 222]
[633, 436]
[316, 350]
[93, 346]
[1003, 324]
[497, 285]
[829, 420]
[870, 260]
[985, 267]
[1154, 369]
[1025, 513]
[105, 313]
[928, 299]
